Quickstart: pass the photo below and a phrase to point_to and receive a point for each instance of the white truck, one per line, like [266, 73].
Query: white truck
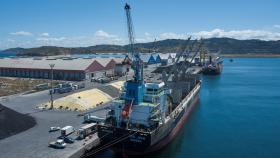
[58, 144]
[88, 118]
[67, 130]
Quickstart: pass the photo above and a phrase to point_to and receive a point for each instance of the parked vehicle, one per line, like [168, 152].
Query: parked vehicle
[87, 130]
[104, 80]
[66, 87]
[75, 87]
[67, 130]
[58, 144]
[69, 140]
[65, 90]
[90, 118]
[53, 129]
[94, 79]
[42, 86]
[81, 85]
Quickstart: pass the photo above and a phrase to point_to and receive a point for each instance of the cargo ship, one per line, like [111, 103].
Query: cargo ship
[213, 66]
[151, 109]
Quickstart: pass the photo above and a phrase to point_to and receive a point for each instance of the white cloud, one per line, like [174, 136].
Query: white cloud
[239, 34]
[103, 34]
[51, 39]
[21, 33]
[45, 34]
[102, 37]
[11, 40]
[276, 26]
[147, 34]
[172, 35]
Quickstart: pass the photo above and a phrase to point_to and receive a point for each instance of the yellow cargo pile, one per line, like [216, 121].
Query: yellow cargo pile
[117, 84]
[81, 101]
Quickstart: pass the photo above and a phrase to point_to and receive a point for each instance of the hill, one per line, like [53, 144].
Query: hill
[226, 45]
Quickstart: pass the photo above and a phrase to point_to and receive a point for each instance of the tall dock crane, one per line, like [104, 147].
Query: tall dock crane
[137, 65]
[134, 88]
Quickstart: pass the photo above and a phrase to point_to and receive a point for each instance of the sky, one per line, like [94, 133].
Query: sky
[75, 23]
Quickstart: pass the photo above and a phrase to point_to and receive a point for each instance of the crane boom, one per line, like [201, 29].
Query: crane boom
[137, 65]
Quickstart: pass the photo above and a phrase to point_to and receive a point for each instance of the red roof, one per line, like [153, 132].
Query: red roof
[95, 66]
[110, 65]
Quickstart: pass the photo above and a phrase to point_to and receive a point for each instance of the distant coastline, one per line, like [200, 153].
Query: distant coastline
[228, 46]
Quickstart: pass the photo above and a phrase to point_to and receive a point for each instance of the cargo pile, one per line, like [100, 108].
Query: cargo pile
[80, 101]
[12, 122]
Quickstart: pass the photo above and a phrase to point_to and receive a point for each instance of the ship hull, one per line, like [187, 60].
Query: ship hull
[140, 143]
[213, 71]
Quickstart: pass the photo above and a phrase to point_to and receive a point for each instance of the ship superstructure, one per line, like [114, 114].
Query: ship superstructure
[213, 66]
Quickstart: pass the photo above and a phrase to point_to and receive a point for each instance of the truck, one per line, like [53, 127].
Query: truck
[58, 144]
[88, 118]
[67, 130]
[87, 130]
[42, 86]
[66, 87]
[65, 90]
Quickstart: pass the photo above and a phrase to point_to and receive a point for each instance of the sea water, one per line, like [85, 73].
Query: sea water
[238, 115]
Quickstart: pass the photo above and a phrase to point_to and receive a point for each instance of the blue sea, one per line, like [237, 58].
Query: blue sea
[238, 115]
[7, 54]
[100, 55]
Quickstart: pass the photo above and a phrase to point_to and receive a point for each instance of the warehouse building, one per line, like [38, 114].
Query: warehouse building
[158, 58]
[148, 59]
[73, 69]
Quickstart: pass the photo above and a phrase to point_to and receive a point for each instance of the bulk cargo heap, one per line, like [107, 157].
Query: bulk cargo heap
[150, 112]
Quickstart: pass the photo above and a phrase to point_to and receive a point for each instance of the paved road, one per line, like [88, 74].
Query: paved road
[34, 141]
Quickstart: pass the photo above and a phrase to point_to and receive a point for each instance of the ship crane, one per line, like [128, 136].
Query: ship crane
[186, 64]
[134, 88]
[174, 67]
[185, 54]
[137, 65]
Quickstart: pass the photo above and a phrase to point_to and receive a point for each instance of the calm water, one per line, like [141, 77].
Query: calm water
[102, 55]
[7, 54]
[238, 115]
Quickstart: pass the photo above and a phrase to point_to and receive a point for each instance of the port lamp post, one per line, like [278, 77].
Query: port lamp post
[52, 91]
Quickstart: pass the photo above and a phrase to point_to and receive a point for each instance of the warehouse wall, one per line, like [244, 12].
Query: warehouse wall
[44, 74]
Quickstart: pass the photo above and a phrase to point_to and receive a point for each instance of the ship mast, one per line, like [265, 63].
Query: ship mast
[137, 65]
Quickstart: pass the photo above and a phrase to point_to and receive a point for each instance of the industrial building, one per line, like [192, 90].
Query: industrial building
[74, 69]
[157, 58]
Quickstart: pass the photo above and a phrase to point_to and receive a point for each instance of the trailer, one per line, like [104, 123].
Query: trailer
[42, 86]
[67, 130]
[66, 87]
[88, 118]
[87, 130]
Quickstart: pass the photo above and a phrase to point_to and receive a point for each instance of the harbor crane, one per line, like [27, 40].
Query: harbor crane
[134, 88]
[137, 65]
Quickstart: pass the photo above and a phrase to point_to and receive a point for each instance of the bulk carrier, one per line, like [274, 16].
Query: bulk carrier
[151, 109]
[213, 67]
